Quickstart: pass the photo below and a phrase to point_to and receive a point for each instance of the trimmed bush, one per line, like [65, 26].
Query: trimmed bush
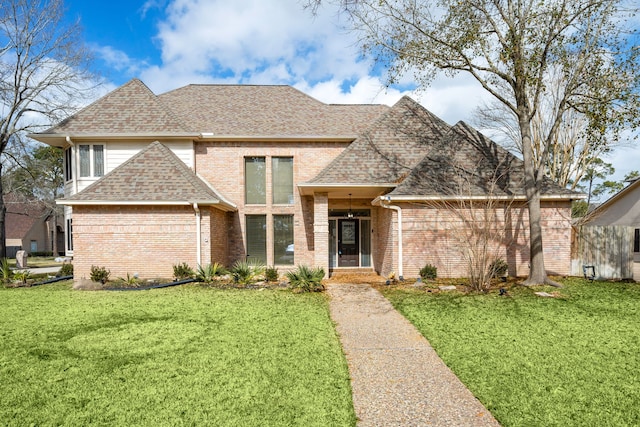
[271, 274]
[65, 270]
[182, 271]
[429, 272]
[99, 274]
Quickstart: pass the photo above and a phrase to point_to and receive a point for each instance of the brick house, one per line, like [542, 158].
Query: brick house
[219, 173]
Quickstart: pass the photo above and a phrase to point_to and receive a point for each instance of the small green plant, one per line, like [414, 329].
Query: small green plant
[22, 276]
[182, 271]
[428, 272]
[131, 281]
[66, 270]
[245, 272]
[498, 268]
[306, 279]
[210, 272]
[99, 274]
[271, 274]
[5, 270]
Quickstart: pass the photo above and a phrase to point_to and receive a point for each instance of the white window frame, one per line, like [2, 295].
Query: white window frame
[92, 166]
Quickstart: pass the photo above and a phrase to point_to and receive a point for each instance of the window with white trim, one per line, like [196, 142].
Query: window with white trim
[68, 164]
[91, 160]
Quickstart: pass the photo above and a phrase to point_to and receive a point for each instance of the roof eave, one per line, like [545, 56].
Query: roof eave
[223, 205]
[60, 140]
[443, 198]
[338, 190]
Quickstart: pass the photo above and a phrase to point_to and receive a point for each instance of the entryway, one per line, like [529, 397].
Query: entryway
[350, 240]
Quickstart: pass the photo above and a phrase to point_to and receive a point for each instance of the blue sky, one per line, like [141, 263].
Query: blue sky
[171, 43]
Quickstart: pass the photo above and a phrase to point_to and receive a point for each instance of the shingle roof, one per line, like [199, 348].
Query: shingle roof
[389, 149]
[154, 175]
[130, 109]
[466, 163]
[247, 110]
[228, 110]
[22, 215]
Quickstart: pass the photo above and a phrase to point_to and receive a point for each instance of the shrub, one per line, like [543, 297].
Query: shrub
[306, 279]
[5, 270]
[210, 272]
[271, 274]
[498, 268]
[99, 274]
[132, 281]
[245, 272]
[182, 271]
[22, 276]
[429, 272]
[44, 254]
[65, 270]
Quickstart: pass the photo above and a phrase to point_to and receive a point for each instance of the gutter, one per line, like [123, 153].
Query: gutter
[198, 234]
[384, 201]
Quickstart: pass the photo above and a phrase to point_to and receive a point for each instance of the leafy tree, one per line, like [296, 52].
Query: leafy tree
[43, 73]
[512, 48]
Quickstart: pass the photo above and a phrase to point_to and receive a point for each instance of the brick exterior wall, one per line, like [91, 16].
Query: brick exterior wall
[433, 234]
[222, 165]
[147, 240]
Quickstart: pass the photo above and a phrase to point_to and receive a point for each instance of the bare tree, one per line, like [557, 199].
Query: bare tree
[43, 73]
[510, 48]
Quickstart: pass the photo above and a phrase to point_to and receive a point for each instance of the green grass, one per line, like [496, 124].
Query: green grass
[568, 361]
[35, 262]
[178, 356]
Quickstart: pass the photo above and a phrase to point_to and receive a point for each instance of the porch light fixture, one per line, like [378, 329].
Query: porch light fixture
[350, 214]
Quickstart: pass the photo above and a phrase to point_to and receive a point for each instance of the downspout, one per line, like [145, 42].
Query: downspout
[75, 160]
[384, 202]
[198, 236]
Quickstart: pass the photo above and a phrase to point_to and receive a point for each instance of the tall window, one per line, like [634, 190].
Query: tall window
[68, 164]
[255, 184]
[69, 234]
[91, 160]
[636, 240]
[283, 239]
[256, 238]
[282, 180]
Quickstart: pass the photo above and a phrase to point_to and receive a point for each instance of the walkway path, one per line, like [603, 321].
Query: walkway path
[396, 376]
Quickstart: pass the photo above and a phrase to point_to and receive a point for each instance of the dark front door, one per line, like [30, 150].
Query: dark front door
[348, 243]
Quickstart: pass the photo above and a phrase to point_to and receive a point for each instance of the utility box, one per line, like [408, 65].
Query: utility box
[21, 259]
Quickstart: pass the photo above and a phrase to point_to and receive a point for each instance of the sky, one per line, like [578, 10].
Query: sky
[171, 43]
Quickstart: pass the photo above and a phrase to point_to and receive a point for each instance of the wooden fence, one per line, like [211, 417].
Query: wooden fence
[609, 249]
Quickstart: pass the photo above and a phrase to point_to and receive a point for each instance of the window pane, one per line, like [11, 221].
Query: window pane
[365, 243]
[85, 166]
[256, 238]
[67, 164]
[255, 180]
[283, 239]
[98, 160]
[283, 180]
[636, 240]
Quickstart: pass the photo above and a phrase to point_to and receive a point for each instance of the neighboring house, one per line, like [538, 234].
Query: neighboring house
[29, 227]
[219, 173]
[622, 209]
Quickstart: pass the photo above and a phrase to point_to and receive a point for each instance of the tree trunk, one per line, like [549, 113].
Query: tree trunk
[3, 211]
[537, 271]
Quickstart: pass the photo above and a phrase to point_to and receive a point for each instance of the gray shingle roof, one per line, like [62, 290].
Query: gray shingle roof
[247, 110]
[388, 151]
[228, 110]
[466, 163]
[154, 175]
[130, 109]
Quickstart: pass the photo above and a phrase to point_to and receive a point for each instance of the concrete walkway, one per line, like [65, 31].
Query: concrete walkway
[396, 376]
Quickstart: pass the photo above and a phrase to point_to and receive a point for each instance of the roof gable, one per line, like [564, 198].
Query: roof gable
[132, 108]
[154, 175]
[21, 215]
[389, 149]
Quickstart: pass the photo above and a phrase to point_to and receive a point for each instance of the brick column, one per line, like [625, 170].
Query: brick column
[321, 231]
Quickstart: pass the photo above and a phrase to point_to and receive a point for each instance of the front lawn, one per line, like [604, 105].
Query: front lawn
[573, 360]
[178, 356]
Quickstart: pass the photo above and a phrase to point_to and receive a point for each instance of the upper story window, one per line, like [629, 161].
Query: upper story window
[68, 164]
[91, 160]
[282, 180]
[636, 240]
[255, 180]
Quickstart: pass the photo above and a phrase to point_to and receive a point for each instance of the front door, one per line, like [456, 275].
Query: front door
[348, 242]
